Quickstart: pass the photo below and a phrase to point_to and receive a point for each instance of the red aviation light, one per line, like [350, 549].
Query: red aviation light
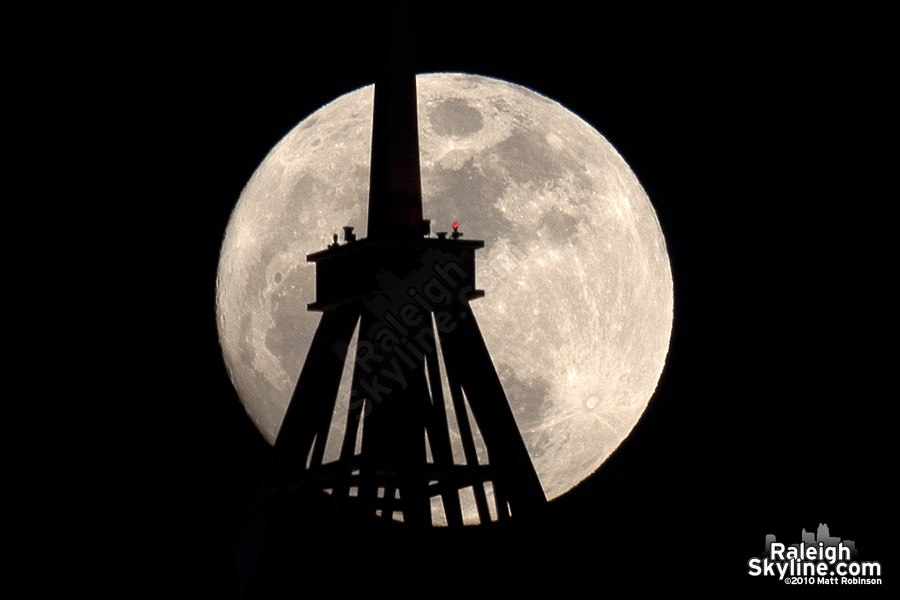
[455, 225]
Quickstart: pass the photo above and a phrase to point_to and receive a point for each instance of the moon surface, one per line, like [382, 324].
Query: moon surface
[578, 299]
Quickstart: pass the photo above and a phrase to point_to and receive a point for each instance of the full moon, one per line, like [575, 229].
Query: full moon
[577, 312]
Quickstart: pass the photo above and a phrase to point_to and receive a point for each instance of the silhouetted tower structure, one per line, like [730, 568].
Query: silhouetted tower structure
[407, 296]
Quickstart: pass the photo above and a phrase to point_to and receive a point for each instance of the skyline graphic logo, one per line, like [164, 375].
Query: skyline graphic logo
[818, 559]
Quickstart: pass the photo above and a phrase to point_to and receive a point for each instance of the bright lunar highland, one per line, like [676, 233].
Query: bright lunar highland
[577, 312]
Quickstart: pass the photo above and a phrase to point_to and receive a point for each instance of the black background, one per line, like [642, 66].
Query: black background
[760, 136]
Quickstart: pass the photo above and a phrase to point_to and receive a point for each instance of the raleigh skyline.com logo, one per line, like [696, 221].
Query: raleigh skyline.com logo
[819, 559]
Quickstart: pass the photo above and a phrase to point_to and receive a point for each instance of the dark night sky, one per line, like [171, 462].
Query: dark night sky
[757, 136]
